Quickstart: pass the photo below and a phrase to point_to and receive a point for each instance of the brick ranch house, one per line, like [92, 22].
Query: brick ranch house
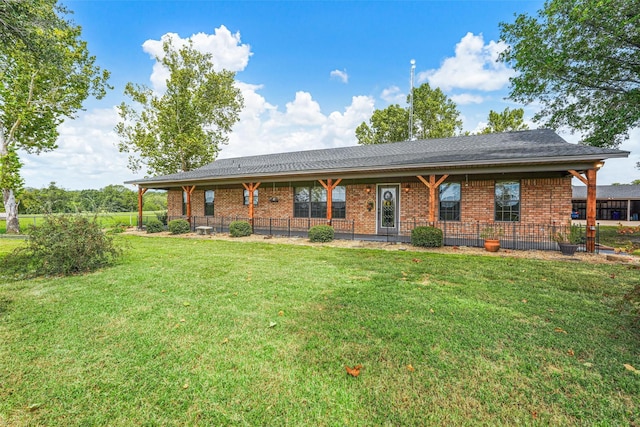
[519, 182]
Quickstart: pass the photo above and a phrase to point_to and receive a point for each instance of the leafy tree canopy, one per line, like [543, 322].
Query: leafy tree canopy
[183, 128]
[580, 60]
[46, 73]
[434, 116]
[507, 121]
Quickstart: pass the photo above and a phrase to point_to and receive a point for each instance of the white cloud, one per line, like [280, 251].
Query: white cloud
[226, 49]
[474, 66]
[393, 95]
[86, 156]
[467, 98]
[340, 75]
[301, 127]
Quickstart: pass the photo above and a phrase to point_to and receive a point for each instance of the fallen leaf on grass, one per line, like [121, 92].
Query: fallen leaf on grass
[186, 304]
[410, 368]
[186, 386]
[570, 353]
[631, 368]
[560, 330]
[226, 340]
[272, 324]
[355, 371]
[281, 313]
[416, 260]
[431, 310]
[524, 301]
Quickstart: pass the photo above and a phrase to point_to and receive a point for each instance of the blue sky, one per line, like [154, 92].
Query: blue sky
[310, 72]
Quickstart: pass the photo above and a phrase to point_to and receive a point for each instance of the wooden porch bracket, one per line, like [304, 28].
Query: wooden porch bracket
[189, 190]
[251, 187]
[141, 192]
[590, 182]
[432, 185]
[329, 186]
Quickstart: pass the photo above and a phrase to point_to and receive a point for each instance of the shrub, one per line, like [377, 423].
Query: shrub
[321, 233]
[162, 217]
[154, 226]
[179, 226]
[428, 237]
[63, 245]
[239, 229]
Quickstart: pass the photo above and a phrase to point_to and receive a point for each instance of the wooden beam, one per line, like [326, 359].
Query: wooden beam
[579, 176]
[141, 192]
[329, 186]
[251, 187]
[432, 185]
[591, 210]
[189, 190]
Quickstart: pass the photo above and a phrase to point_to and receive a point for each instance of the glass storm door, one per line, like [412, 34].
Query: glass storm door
[388, 209]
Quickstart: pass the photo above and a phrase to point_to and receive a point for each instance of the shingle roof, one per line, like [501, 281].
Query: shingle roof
[538, 145]
[621, 192]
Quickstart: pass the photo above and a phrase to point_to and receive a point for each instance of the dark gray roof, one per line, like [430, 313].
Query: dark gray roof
[540, 145]
[621, 192]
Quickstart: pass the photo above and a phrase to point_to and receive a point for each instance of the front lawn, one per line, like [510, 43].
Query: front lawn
[202, 332]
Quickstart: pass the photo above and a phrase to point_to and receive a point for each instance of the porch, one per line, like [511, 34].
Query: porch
[515, 236]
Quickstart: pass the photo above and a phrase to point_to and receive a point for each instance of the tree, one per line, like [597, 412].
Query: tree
[42, 82]
[434, 116]
[183, 128]
[579, 60]
[507, 121]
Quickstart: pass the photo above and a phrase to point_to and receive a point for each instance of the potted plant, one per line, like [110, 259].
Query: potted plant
[491, 236]
[568, 239]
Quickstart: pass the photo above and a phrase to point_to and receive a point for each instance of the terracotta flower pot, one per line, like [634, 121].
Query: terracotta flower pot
[492, 245]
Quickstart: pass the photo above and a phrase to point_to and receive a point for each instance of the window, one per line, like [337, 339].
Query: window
[311, 202]
[507, 201]
[184, 203]
[450, 201]
[246, 197]
[209, 196]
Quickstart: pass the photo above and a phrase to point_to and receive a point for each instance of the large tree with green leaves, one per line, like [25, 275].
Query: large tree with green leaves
[580, 60]
[183, 128]
[507, 121]
[434, 116]
[46, 73]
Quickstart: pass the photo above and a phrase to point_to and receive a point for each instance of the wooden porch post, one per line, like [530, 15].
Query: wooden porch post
[329, 186]
[189, 190]
[590, 182]
[251, 187]
[432, 185]
[141, 192]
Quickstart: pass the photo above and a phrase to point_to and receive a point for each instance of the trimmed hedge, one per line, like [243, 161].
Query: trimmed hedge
[154, 226]
[321, 233]
[179, 226]
[427, 237]
[239, 229]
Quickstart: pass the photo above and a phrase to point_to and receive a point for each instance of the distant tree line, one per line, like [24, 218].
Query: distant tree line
[112, 198]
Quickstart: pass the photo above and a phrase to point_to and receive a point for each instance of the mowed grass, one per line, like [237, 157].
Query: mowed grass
[198, 332]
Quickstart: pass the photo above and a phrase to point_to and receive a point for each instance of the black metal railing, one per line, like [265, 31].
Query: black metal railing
[515, 235]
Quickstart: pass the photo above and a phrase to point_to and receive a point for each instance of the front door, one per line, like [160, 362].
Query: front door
[388, 209]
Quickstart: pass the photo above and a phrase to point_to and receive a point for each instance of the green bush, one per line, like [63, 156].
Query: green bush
[154, 226]
[62, 244]
[179, 226]
[321, 233]
[162, 217]
[428, 237]
[239, 229]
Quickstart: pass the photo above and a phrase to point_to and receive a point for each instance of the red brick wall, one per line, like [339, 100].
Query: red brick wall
[543, 201]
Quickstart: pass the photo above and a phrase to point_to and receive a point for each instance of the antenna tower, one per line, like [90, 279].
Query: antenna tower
[413, 68]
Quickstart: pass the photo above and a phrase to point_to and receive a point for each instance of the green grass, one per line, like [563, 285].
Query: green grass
[201, 332]
[106, 219]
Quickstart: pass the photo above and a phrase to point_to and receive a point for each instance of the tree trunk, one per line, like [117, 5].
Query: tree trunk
[11, 208]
